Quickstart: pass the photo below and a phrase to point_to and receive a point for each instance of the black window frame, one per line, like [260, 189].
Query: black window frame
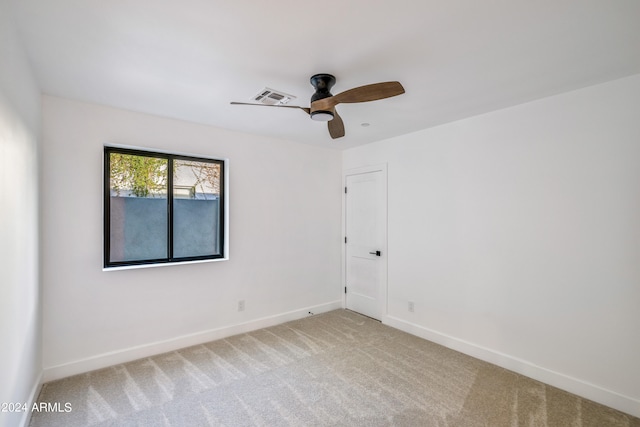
[170, 157]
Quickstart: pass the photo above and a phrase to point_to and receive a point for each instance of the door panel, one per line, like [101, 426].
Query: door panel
[365, 226]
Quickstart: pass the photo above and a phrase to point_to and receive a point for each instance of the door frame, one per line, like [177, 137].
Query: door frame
[382, 167]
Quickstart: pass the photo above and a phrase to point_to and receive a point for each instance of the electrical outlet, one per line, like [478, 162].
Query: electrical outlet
[410, 307]
[241, 305]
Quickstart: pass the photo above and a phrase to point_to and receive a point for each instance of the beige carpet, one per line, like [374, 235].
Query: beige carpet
[332, 369]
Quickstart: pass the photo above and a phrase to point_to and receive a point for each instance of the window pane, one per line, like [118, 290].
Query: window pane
[196, 209]
[138, 207]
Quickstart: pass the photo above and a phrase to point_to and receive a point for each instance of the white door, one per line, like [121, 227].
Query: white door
[365, 242]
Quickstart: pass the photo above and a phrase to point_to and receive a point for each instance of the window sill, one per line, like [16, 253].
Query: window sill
[162, 264]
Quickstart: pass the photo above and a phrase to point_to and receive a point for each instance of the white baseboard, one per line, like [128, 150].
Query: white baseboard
[33, 396]
[133, 353]
[576, 386]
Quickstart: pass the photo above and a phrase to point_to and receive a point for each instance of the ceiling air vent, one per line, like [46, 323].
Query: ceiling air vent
[269, 96]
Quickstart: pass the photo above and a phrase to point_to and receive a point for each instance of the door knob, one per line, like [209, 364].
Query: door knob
[376, 253]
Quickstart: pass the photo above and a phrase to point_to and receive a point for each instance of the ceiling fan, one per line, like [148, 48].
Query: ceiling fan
[323, 103]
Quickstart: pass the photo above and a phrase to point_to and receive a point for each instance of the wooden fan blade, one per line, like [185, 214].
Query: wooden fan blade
[336, 126]
[306, 110]
[371, 92]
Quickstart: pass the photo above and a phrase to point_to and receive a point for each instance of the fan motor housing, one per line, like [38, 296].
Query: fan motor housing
[323, 84]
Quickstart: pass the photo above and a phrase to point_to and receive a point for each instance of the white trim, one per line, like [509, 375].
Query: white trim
[573, 385]
[382, 167]
[146, 350]
[162, 264]
[33, 396]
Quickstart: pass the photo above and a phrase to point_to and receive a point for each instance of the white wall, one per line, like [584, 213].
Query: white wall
[20, 312]
[284, 241]
[517, 236]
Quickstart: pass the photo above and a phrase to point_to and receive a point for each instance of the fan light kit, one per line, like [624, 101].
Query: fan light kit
[323, 103]
[322, 116]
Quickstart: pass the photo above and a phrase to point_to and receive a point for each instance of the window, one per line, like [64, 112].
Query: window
[162, 208]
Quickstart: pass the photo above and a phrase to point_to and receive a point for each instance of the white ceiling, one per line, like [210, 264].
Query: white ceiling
[187, 59]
